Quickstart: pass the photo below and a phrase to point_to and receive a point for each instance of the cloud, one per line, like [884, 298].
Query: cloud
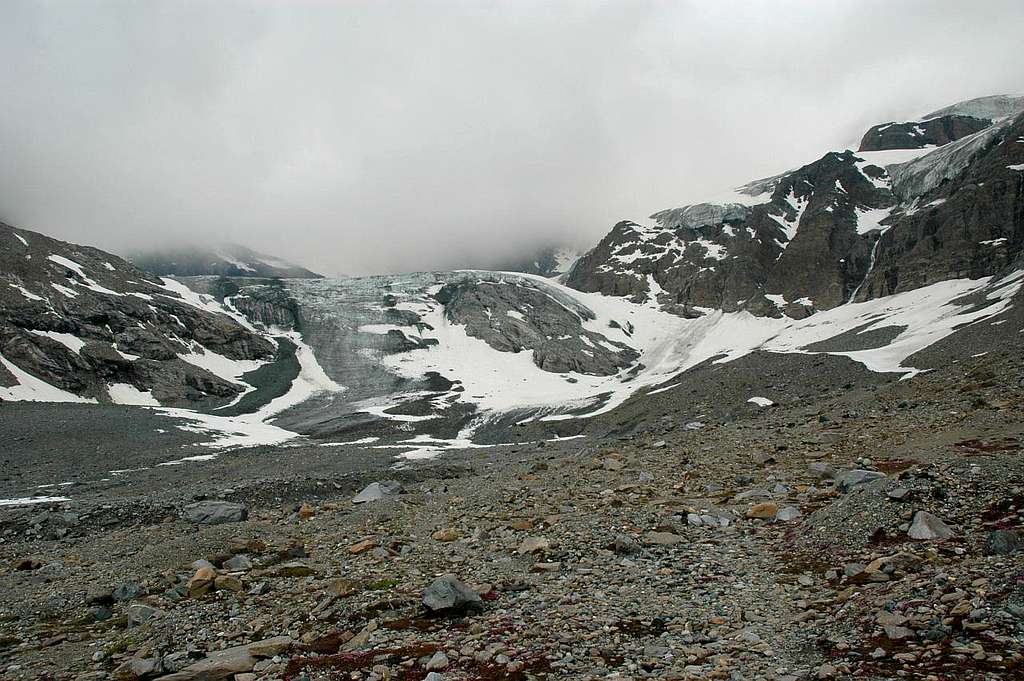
[369, 137]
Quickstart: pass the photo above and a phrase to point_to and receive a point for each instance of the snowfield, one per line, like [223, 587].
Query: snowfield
[499, 382]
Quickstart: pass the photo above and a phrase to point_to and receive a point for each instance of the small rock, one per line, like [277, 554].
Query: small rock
[215, 512]
[295, 568]
[788, 514]
[202, 582]
[847, 480]
[139, 613]
[1002, 543]
[239, 563]
[448, 593]
[927, 526]
[446, 535]
[438, 661]
[377, 490]
[662, 538]
[899, 493]
[533, 545]
[362, 547]
[764, 510]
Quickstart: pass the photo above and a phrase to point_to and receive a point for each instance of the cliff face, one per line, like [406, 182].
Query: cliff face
[848, 226]
[92, 325]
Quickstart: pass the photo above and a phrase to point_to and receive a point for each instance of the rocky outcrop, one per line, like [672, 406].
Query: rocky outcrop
[517, 317]
[84, 321]
[971, 225]
[919, 134]
[839, 229]
[804, 247]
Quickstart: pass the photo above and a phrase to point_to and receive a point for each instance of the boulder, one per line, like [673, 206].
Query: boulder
[215, 512]
[1002, 543]
[202, 582]
[448, 593]
[927, 526]
[765, 510]
[847, 480]
[377, 490]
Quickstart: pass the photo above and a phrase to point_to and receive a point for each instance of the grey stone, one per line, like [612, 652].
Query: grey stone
[847, 480]
[126, 591]
[448, 593]
[1002, 543]
[788, 514]
[238, 563]
[928, 526]
[377, 490]
[438, 661]
[215, 512]
[139, 613]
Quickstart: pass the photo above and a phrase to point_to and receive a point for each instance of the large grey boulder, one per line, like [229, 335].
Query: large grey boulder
[224, 664]
[448, 593]
[215, 512]
[377, 490]
[928, 526]
[1002, 543]
[847, 480]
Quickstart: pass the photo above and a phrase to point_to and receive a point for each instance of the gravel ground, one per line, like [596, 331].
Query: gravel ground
[649, 548]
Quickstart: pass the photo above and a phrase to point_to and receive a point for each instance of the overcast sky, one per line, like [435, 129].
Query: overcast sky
[392, 136]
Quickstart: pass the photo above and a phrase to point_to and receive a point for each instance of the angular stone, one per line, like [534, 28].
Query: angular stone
[139, 613]
[765, 510]
[215, 512]
[663, 538]
[295, 568]
[847, 480]
[438, 661]
[239, 563]
[202, 582]
[377, 490]
[1002, 543]
[448, 593]
[446, 534]
[534, 545]
[362, 547]
[788, 514]
[927, 526]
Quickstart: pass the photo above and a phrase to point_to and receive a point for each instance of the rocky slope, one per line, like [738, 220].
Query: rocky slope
[866, 531]
[79, 324]
[849, 226]
[227, 260]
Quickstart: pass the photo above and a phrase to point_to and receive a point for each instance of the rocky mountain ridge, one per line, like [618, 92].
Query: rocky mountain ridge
[79, 324]
[226, 260]
[849, 226]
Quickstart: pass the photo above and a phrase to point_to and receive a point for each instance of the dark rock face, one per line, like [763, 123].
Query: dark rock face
[802, 243]
[513, 317]
[81, 319]
[920, 134]
[839, 229]
[971, 225]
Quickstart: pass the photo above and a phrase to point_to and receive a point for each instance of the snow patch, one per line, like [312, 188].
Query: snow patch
[71, 342]
[761, 401]
[32, 389]
[28, 501]
[126, 393]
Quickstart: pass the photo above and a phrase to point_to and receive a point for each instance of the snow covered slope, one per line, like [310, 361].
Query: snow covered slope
[920, 202]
